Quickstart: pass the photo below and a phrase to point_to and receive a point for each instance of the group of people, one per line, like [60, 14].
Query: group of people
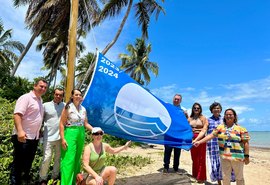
[223, 140]
[63, 135]
[219, 140]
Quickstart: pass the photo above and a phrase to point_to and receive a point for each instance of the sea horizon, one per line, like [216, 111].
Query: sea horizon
[259, 139]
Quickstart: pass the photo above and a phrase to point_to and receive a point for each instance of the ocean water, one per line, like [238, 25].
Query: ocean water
[260, 139]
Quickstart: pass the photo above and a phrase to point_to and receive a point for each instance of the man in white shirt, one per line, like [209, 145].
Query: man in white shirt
[51, 137]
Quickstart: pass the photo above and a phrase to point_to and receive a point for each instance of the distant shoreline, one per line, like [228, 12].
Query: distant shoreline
[260, 148]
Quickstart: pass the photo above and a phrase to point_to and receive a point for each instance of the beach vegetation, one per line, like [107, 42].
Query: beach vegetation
[6, 147]
[8, 49]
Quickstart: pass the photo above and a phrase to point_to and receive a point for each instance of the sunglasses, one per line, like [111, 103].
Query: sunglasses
[98, 133]
[196, 108]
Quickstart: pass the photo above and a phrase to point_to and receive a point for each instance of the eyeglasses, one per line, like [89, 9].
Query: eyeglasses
[177, 99]
[196, 108]
[98, 133]
[58, 94]
[229, 115]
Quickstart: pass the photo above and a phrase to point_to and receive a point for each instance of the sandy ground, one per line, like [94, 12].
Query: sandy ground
[256, 173]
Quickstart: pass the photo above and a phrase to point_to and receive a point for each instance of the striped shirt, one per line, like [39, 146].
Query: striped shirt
[230, 141]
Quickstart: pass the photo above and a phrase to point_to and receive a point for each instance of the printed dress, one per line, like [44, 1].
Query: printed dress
[212, 151]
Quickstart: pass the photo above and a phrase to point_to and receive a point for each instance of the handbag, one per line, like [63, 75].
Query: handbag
[81, 178]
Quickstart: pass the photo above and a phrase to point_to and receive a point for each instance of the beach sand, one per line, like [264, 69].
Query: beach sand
[257, 172]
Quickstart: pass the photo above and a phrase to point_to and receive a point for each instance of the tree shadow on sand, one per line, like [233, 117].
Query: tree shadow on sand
[181, 177]
[157, 178]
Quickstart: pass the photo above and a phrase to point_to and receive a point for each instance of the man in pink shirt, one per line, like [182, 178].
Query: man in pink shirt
[28, 115]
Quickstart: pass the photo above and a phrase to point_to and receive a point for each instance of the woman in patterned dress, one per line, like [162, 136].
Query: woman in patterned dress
[233, 141]
[212, 149]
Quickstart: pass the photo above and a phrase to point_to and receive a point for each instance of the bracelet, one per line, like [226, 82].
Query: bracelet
[246, 155]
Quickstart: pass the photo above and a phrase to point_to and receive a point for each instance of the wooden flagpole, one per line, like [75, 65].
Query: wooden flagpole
[72, 37]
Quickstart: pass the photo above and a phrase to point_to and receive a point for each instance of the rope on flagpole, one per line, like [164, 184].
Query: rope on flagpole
[90, 68]
[92, 30]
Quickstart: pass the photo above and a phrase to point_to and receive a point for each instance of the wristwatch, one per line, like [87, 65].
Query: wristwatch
[246, 155]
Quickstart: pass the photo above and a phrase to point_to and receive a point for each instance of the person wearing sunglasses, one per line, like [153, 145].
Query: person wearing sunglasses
[94, 156]
[233, 141]
[199, 124]
[72, 127]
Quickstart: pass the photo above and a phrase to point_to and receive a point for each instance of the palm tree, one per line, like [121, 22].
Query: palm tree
[81, 69]
[43, 16]
[144, 10]
[7, 47]
[137, 63]
[54, 43]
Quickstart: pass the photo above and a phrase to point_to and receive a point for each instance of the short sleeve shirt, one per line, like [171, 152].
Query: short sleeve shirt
[31, 109]
[52, 114]
[231, 141]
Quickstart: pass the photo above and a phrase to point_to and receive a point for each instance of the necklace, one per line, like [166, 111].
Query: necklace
[228, 133]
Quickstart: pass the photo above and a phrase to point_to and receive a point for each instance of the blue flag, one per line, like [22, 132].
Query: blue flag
[122, 108]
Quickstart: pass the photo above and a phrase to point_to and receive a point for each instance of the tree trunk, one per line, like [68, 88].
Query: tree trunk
[87, 74]
[54, 84]
[29, 44]
[72, 34]
[106, 49]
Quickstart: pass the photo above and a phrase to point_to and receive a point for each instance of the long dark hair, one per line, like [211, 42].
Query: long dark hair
[71, 98]
[192, 111]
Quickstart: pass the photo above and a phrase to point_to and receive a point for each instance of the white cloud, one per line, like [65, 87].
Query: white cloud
[242, 120]
[241, 109]
[241, 97]
[267, 59]
[30, 69]
[189, 89]
[254, 120]
[165, 93]
[255, 90]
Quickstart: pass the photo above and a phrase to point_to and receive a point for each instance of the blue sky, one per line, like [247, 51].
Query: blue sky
[206, 50]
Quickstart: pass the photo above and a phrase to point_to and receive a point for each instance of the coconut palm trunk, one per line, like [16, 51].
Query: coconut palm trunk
[29, 44]
[106, 49]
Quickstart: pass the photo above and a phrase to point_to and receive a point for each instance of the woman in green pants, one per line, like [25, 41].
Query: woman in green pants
[72, 131]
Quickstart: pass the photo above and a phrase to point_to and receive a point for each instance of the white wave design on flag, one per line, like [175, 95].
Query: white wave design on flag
[145, 117]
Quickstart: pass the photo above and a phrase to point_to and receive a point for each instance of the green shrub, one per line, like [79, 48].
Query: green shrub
[13, 87]
[121, 162]
[6, 147]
